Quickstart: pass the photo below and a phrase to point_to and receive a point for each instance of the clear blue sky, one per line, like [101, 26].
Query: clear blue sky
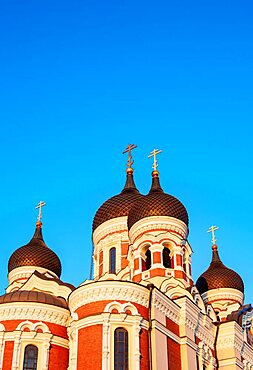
[80, 80]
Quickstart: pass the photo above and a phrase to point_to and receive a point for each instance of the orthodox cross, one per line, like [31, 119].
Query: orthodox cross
[154, 154]
[39, 207]
[212, 230]
[128, 150]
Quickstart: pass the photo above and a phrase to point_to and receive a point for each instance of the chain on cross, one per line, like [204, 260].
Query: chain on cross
[39, 207]
[128, 150]
[154, 153]
[212, 229]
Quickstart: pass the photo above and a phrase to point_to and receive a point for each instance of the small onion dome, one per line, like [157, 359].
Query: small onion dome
[33, 296]
[35, 253]
[120, 204]
[218, 276]
[157, 203]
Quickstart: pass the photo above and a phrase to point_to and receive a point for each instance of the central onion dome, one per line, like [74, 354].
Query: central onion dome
[35, 253]
[157, 203]
[120, 204]
[218, 276]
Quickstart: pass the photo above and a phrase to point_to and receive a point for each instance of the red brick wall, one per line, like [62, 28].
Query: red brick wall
[8, 352]
[58, 358]
[144, 350]
[172, 326]
[174, 359]
[157, 257]
[89, 348]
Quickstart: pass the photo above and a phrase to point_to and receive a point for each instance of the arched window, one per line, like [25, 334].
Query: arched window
[112, 260]
[120, 349]
[148, 259]
[30, 358]
[166, 257]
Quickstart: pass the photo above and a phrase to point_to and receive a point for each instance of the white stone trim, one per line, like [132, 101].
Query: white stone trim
[133, 326]
[34, 311]
[2, 335]
[223, 294]
[23, 273]
[153, 223]
[108, 290]
[122, 308]
[166, 306]
[115, 225]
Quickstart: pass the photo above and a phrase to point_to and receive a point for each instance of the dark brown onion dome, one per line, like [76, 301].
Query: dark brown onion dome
[33, 296]
[120, 204]
[35, 253]
[218, 276]
[157, 203]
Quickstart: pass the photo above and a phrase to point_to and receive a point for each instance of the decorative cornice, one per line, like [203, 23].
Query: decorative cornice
[166, 306]
[115, 225]
[110, 291]
[34, 311]
[154, 223]
[223, 294]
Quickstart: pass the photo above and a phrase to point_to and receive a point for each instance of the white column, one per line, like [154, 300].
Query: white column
[16, 350]
[106, 342]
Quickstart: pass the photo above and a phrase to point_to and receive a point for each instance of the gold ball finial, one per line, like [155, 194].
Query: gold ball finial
[129, 171]
[214, 247]
[155, 173]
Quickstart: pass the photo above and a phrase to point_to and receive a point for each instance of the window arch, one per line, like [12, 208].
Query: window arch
[30, 357]
[166, 257]
[120, 349]
[147, 259]
[112, 260]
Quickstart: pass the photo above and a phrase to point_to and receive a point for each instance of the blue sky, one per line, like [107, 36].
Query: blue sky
[82, 79]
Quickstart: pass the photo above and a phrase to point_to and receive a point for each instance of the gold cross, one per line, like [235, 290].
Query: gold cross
[154, 154]
[39, 206]
[128, 150]
[212, 230]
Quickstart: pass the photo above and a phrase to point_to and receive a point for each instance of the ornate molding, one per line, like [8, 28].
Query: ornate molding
[34, 311]
[166, 306]
[108, 290]
[154, 223]
[108, 228]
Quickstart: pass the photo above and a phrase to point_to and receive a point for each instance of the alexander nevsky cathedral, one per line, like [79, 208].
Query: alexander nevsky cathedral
[141, 311]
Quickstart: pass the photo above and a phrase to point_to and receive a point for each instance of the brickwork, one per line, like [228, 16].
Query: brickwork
[58, 358]
[89, 348]
[144, 350]
[174, 359]
[8, 353]
[172, 326]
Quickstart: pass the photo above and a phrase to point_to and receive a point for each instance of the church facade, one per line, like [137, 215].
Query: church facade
[141, 311]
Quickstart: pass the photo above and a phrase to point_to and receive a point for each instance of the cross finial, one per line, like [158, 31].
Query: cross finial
[128, 150]
[212, 229]
[154, 154]
[39, 207]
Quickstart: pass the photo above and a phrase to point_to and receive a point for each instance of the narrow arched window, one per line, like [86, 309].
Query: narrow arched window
[120, 349]
[112, 260]
[30, 357]
[148, 259]
[166, 257]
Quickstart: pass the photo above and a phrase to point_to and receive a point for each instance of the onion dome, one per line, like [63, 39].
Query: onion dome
[120, 204]
[33, 296]
[35, 253]
[218, 276]
[157, 203]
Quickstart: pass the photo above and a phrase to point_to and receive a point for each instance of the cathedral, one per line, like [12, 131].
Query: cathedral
[141, 311]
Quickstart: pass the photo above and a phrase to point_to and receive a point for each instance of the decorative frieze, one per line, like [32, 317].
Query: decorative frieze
[108, 290]
[34, 311]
